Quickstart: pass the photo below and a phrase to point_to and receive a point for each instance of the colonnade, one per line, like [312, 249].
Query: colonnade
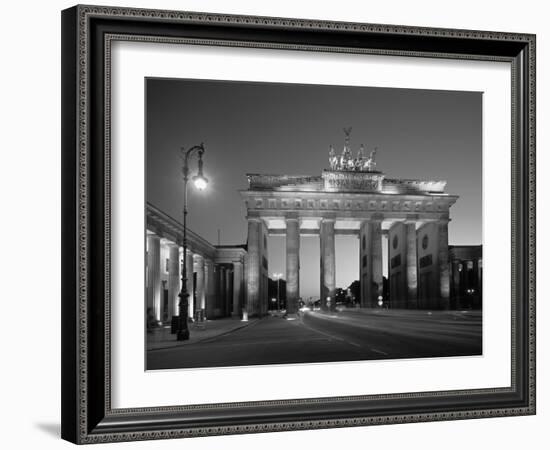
[417, 255]
[214, 281]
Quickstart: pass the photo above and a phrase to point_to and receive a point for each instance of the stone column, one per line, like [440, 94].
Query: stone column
[376, 260]
[201, 295]
[328, 264]
[228, 291]
[244, 309]
[411, 267]
[190, 268]
[364, 265]
[264, 271]
[443, 260]
[237, 288]
[210, 283]
[153, 274]
[292, 264]
[218, 304]
[253, 267]
[173, 280]
[223, 291]
[218, 310]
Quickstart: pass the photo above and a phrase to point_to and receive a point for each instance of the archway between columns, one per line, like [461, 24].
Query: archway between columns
[347, 260]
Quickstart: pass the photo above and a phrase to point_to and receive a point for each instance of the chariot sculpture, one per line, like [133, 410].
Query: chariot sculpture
[346, 162]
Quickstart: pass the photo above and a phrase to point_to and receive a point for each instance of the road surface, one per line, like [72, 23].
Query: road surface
[348, 335]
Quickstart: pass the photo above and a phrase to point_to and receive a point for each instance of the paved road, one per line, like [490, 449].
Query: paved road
[343, 336]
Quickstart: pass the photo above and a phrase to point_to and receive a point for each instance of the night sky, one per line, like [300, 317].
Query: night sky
[287, 129]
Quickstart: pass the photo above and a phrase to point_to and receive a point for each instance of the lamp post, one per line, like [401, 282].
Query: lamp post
[278, 276]
[200, 183]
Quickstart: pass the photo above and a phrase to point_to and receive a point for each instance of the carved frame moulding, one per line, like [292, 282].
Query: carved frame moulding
[88, 34]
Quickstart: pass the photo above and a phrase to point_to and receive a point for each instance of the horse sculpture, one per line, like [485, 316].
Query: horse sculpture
[332, 158]
[347, 162]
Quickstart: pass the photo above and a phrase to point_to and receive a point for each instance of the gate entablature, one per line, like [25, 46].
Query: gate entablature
[348, 209]
[344, 205]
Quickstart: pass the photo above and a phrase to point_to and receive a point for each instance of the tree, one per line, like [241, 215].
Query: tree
[340, 295]
[355, 291]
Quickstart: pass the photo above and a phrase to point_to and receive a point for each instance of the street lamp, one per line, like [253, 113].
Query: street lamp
[278, 276]
[200, 182]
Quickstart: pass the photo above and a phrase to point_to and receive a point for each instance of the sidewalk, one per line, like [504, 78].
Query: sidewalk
[161, 338]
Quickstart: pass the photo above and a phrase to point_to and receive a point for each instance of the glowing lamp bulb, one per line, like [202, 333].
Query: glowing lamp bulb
[200, 182]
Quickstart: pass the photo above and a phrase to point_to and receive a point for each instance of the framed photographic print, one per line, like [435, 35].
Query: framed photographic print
[281, 224]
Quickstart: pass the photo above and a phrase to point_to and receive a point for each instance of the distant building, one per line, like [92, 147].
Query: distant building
[466, 276]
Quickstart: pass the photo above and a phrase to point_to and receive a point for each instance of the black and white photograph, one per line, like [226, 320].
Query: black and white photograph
[275, 225]
[302, 223]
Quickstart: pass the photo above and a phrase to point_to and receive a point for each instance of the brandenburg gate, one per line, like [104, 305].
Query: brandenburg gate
[351, 198]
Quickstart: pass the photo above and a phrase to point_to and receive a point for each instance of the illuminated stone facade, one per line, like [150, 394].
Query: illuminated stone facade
[356, 202]
[215, 274]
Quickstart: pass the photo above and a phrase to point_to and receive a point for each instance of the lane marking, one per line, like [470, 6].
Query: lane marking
[379, 351]
[329, 335]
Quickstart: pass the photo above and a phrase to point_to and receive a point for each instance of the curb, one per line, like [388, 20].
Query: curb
[204, 339]
[246, 324]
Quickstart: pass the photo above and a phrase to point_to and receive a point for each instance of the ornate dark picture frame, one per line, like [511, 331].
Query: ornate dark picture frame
[87, 34]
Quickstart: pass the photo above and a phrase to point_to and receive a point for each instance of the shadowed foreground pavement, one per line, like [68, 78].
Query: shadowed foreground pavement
[348, 335]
